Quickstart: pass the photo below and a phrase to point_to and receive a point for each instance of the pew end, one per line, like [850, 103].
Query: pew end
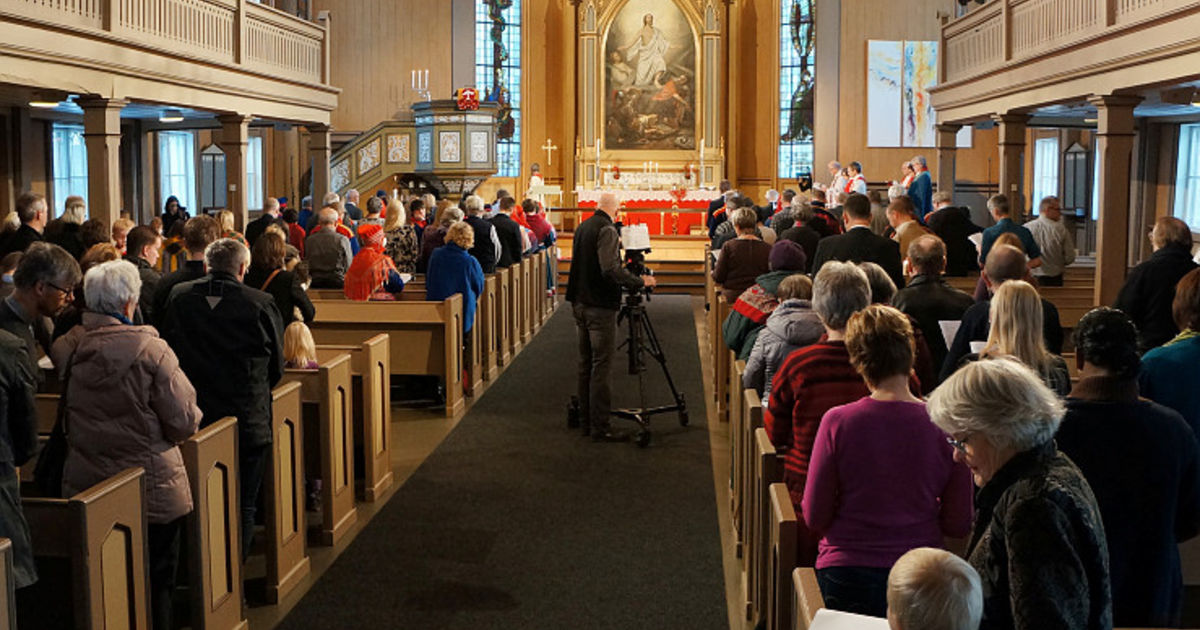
[93, 547]
[287, 552]
[782, 558]
[806, 597]
[8, 604]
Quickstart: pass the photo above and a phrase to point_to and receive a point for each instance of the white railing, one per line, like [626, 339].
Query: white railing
[1007, 31]
[238, 33]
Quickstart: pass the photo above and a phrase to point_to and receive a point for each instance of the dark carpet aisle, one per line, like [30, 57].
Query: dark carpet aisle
[516, 522]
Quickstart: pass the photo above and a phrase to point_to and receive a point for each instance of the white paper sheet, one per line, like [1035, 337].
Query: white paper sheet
[826, 619]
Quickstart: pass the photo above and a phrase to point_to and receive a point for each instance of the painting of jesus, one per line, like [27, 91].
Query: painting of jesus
[650, 73]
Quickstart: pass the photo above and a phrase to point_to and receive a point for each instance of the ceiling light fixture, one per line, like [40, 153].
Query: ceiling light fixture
[170, 116]
[1091, 121]
[42, 103]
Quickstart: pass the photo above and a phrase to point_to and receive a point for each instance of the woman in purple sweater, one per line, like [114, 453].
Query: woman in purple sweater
[882, 479]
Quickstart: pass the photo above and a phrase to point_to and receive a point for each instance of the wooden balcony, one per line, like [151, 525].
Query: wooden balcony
[1014, 54]
[219, 55]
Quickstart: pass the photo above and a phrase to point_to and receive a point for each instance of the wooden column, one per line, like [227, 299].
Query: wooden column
[1011, 128]
[102, 135]
[319, 155]
[235, 138]
[1114, 150]
[947, 151]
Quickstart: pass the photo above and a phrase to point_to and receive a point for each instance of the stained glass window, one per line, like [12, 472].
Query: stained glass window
[796, 80]
[498, 74]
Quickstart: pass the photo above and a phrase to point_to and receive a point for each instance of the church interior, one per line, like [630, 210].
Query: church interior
[415, 458]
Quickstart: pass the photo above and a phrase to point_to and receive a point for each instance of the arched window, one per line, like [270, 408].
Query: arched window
[498, 74]
[796, 79]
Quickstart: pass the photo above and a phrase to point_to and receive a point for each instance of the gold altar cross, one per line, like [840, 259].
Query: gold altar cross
[549, 148]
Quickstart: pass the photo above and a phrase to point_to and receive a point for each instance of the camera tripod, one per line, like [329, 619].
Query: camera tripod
[642, 339]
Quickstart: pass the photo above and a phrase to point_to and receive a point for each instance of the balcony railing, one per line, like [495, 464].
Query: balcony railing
[1004, 32]
[235, 33]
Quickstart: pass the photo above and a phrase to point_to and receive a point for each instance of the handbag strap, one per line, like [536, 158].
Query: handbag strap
[269, 279]
[60, 420]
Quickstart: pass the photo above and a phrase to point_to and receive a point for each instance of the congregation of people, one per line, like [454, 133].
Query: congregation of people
[156, 331]
[911, 416]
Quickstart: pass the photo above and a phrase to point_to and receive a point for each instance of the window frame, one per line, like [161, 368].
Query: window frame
[508, 150]
[1045, 183]
[792, 67]
[1185, 204]
[74, 182]
[189, 197]
[256, 180]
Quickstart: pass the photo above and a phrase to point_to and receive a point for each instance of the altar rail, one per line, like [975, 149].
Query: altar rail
[660, 221]
[1048, 40]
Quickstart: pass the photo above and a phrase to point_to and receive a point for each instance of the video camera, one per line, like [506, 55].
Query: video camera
[636, 241]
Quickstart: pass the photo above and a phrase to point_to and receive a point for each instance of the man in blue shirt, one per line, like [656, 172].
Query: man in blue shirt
[999, 207]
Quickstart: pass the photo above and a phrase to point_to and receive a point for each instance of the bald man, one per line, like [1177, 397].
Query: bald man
[1004, 263]
[594, 291]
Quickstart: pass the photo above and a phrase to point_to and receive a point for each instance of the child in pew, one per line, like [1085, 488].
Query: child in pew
[933, 589]
[372, 274]
[299, 349]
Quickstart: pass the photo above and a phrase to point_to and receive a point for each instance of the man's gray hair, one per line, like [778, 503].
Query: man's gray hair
[331, 198]
[927, 255]
[802, 211]
[883, 289]
[226, 255]
[450, 216]
[352, 195]
[896, 191]
[920, 159]
[474, 205]
[374, 205]
[109, 286]
[933, 589]
[327, 216]
[999, 400]
[840, 290]
[47, 263]
[271, 205]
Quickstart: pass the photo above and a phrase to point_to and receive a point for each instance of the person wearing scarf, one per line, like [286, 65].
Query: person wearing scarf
[372, 274]
[751, 310]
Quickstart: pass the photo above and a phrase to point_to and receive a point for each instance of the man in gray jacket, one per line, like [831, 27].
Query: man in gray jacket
[328, 252]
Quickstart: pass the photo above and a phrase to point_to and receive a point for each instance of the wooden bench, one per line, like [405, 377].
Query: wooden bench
[91, 556]
[502, 318]
[737, 447]
[806, 597]
[423, 337]
[767, 471]
[370, 374]
[720, 363]
[8, 602]
[782, 559]
[287, 554]
[485, 319]
[326, 394]
[214, 528]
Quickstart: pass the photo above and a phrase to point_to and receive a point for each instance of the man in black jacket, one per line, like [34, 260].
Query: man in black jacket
[198, 233]
[927, 298]
[143, 247]
[594, 291]
[954, 226]
[487, 244]
[859, 243]
[270, 214]
[18, 443]
[228, 338]
[509, 231]
[1150, 288]
[33, 213]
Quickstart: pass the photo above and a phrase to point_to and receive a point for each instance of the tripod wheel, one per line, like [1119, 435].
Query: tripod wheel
[643, 439]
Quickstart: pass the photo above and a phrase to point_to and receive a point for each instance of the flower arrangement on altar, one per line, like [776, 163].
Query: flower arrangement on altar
[616, 172]
[687, 172]
[678, 194]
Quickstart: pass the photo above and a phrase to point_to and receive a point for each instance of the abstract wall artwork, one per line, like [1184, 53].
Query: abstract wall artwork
[650, 78]
[899, 110]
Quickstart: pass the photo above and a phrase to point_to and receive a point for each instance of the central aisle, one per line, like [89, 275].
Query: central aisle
[517, 522]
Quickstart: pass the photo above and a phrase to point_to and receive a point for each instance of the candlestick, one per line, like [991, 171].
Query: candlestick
[412, 82]
[426, 78]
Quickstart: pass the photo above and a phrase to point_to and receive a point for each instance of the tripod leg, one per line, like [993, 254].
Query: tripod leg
[656, 351]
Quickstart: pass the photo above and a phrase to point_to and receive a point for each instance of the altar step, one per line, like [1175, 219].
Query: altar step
[675, 277]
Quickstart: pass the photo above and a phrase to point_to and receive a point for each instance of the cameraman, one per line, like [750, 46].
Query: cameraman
[594, 290]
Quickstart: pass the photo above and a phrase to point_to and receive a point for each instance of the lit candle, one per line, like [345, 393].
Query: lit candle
[413, 80]
[427, 78]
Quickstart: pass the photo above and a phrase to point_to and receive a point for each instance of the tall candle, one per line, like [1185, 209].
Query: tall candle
[413, 79]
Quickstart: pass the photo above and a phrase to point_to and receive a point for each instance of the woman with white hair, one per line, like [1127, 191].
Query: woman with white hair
[128, 404]
[1038, 541]
[64, 231]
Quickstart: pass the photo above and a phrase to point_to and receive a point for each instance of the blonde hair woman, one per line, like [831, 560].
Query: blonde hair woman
[225, 220]
[1016, 331]
[74, 210]
[299, 349]
[403, 245]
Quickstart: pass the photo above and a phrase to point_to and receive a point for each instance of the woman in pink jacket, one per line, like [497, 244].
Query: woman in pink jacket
[128, 405]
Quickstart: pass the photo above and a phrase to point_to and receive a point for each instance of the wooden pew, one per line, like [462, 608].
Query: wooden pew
[503, 318]
[287, 555]
[423, 337]
[326, 394]
[487, 322]
[523, 270]
[738, 437]
[767, 472]
[721, 365]
[369, 372]
[538, 297]
[806, 597]
[91, 556]
[214, 528]
[782, 559]
[513, 304]
[8, 603]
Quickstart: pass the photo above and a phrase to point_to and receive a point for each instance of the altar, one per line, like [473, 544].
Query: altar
[663, 212]
[690, 199]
